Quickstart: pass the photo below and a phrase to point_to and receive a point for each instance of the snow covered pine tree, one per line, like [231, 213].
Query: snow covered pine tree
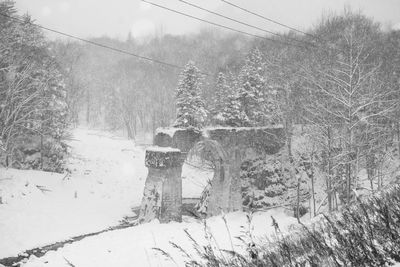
[226, 106]
[220, 99]
[191, 111]
[254, 94]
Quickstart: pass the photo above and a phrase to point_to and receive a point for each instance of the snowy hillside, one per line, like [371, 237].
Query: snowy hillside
[106, 182]
[40, 208]
[217, 140]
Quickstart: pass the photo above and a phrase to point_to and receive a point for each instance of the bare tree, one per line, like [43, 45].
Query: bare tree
[349, 99]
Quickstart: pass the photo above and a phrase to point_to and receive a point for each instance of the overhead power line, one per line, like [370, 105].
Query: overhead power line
[97, 44]
[268, 19]
[222, 26]
[244, 23]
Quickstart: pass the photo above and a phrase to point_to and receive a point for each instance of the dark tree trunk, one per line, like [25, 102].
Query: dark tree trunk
[398, 138]
[88, 104]
[330, 189]
[134, 125]
[129, 129]
[153, 122]
[41, 151]
[312, 182]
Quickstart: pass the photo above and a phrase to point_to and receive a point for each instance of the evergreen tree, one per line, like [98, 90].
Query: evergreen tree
[33, 107]
[253, 95]
[231, 113]
[191, 111]
[220, 99]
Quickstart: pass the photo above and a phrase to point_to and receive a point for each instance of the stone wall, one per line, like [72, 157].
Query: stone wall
[183, 139]
[249, 140]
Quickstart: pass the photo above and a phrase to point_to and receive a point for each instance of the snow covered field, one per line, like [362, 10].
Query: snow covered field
[106, 181]
[40, 208]
[134, 246]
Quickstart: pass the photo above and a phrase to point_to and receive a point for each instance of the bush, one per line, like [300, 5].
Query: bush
[267, 182]
[29, 154]
[366, 233]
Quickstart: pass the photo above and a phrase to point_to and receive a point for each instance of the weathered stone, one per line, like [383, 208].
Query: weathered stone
[257, 140]
[171, 203]
[159, 157]
[163, 140]
[162, 197]
[152, 197]
[238, 144]
[183, 139]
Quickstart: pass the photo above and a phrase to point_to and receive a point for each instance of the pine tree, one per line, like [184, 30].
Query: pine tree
[232, 113]
[191, 111]
[220, 99]
[253, 95]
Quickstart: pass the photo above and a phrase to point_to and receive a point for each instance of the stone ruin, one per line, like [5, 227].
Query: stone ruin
[229, 147]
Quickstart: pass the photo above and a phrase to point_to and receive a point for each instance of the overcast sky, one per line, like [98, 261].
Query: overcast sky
[116, 18]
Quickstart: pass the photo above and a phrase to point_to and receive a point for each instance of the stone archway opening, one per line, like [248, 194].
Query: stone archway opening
[204, 162]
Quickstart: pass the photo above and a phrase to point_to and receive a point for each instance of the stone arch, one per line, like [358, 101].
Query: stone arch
[216, 192]
[212, 151]
[209, 149]
[229, 146]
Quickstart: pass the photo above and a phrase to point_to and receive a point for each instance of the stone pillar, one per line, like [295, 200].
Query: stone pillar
[235, 189]
[219, 198]
[162, 197]
[226, 192]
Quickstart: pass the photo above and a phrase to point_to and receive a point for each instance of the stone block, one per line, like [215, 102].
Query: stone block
[163, 157]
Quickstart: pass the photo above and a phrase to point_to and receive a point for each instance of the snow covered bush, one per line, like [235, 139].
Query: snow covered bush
[267, 182]
[365, 233]
[32, 153]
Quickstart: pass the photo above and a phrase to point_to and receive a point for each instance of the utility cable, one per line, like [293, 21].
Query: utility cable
[96, 44]
[222, 26]
[243, 23]
[268, 19]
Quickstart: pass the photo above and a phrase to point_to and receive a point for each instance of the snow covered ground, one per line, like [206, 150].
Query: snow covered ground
[134, 246]
[40, 208]
[107, 179]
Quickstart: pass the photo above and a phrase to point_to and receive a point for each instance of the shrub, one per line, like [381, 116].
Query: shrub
[365, 233]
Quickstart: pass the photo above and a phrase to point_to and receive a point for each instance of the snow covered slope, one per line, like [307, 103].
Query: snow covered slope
[107, 179]
[40, 208]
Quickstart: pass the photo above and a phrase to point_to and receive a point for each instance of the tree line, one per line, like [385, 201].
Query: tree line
[33, 108]
[342, 91]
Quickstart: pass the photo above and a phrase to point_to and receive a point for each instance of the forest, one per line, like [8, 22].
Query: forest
[335, 90]
[340, 85]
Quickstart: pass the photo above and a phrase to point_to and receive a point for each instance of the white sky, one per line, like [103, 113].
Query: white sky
[116, 18]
